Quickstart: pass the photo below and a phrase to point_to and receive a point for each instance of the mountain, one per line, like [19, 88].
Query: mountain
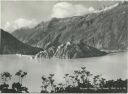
[104, 30]
[10, 45]
[70, 50]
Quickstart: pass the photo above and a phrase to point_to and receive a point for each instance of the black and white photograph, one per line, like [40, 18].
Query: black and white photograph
[63, 46]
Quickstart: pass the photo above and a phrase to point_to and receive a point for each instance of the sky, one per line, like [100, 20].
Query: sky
[17, 14]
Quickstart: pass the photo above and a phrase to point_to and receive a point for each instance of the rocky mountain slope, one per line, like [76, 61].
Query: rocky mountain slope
[70, 50]
[10, 45]
[106, 30]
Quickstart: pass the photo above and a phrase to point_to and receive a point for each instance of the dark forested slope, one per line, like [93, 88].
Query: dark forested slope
[10, 45]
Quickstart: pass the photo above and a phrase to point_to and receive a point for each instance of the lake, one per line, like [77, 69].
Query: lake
[111, 66]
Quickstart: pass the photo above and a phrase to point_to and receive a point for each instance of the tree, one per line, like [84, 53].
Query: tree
[77, 74]
[18, 86]
[51, 81]
[102, 83]
[96, 81]
[45, 84]
[5, 77]
[66, 79]
[21, 75]
[88, 74]
[85, 77]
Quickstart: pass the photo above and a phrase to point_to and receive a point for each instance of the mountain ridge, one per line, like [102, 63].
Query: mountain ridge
[107, 30]
[10, 45]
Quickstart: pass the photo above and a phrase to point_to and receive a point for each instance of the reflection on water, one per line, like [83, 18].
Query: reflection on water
[112, 66]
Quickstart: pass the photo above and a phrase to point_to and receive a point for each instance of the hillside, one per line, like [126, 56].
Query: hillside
[105, 30]
[70, 50]
[10, 45]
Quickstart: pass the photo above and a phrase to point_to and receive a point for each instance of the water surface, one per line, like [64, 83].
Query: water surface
[111, 66]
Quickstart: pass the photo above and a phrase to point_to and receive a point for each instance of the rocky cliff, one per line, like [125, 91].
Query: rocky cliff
[70, 50]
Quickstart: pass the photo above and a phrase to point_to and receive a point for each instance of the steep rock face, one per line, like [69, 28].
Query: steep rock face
[107, 30]
[70, 50]
[77, 50]
[10, 45]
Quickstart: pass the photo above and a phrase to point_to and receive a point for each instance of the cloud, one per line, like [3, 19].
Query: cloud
[7, 25]
[19, 23]
[65, 9]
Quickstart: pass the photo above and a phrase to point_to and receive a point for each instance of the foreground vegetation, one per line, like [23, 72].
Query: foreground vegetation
[16, 87]
[80, 81]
